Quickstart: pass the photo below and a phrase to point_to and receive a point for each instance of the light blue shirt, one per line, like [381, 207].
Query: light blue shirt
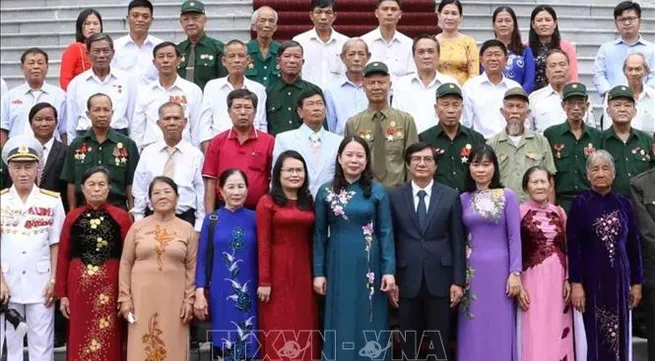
[608, 67]
[344, 99]
[320, 167]
[17, 103]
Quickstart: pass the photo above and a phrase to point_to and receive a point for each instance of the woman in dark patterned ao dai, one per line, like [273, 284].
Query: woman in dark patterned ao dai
[227, 265]
[604, 262]
[87, 272]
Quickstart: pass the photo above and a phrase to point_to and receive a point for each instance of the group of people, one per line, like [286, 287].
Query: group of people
[317, 182]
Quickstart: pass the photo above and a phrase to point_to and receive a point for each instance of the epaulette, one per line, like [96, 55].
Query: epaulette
[50, 193]
[6, 190]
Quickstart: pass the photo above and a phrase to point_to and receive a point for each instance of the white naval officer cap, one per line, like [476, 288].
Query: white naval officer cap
[22, 148]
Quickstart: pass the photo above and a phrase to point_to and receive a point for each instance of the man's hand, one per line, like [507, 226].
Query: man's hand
[635, 296]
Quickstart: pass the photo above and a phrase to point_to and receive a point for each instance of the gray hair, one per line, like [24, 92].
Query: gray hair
[170, 104]
[643, 58]
[603, 156]
[352, 41]
[98, 37]
[255, 14]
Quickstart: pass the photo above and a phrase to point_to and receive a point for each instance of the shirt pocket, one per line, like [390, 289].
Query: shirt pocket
[533, 157]
[503, 165]
[334, 64]
[563, 163]
[257, 161]
[43, 267]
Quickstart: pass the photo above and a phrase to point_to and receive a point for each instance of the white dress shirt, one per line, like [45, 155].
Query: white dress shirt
[136, 61]
[427, 189]
[17, 103]
[118, 85]
[413, 97]
[323, 64]
[546, 110]
[47, 147]
[645, 117]
[188, 165]
[144, 129]
[215, 118]
[482, 102]
[396, 54]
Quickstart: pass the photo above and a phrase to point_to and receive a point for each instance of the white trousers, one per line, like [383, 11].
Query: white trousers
[40, 333]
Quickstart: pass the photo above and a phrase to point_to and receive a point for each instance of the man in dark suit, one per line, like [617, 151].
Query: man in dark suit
[43, 120]
[430, 255]
[642, 188]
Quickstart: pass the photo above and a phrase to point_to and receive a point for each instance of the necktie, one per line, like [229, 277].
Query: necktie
[316, 144]
[40, 168]
[421, 210]
[191, 64]
[379, 156]
[169, 167]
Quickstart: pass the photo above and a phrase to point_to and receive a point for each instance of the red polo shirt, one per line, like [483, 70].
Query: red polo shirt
[254, 157]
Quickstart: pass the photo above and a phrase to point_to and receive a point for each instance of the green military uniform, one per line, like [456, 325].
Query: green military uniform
[262, 70]
[513, 160]
[571, 159]
[400, 133]
[633, 157]
[208, 60]
[452, 154]
[281, 98]
[570, 153]
[117, 153]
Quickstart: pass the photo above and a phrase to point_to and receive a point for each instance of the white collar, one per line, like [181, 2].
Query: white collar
[427, 189]
[313, 35]
[48, 144]
[163, 147]
[176, 84]
[378, 35]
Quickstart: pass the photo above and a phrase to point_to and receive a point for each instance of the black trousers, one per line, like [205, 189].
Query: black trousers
[424, 319]
[649, 305]
[189, 215]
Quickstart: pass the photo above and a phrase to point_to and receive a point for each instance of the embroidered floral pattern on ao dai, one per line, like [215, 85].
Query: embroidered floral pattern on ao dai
[490, 204]
[607, 228]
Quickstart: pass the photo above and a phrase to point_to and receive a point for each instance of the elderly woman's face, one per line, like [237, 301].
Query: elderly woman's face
[96, 188]
[600, 174]
[539, 186]
[163, 197]
[234, 191]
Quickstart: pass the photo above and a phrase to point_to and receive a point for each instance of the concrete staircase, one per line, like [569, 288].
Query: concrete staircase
[50, 25]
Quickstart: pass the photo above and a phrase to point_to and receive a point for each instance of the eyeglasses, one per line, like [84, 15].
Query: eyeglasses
[417, 159]
[293, 170]
[627, 19]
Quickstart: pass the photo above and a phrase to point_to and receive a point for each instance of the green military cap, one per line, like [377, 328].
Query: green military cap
[620, 91]
[574, 90]
[376, 67]
[192, 6]
[22, 148]
[449, 89]
[516, 92]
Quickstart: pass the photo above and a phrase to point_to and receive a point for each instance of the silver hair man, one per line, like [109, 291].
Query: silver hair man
[255, 14]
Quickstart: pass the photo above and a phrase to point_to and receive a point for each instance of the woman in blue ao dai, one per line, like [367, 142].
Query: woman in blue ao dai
[233, 280]
[354, 258]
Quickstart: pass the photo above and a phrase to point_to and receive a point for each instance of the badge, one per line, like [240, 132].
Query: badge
[465, 153]
[558, 148]
[251, 65]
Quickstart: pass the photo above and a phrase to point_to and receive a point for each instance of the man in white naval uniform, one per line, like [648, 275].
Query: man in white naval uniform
[31, 221]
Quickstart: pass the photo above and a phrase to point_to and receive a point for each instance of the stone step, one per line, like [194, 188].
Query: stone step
[165, 22]
[65, 38]
[92, 3]
[212, 8]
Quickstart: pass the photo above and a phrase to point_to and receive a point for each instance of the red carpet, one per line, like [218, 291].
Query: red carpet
[354, 17]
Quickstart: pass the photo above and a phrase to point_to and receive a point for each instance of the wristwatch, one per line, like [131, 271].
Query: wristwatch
[516, 273]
